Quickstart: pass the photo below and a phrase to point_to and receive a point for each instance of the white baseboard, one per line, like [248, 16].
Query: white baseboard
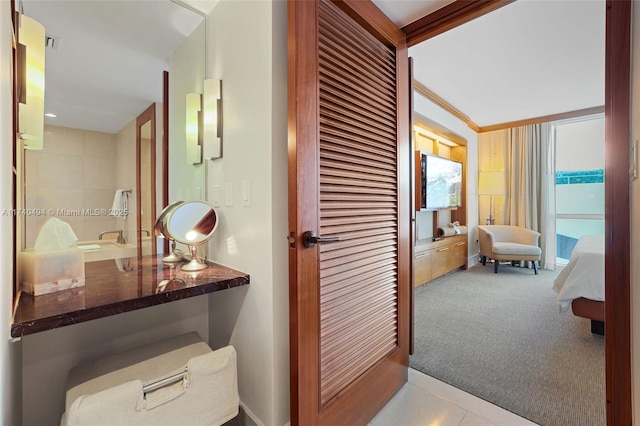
[251, 414]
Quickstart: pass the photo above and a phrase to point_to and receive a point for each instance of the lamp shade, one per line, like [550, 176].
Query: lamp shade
[491, 183]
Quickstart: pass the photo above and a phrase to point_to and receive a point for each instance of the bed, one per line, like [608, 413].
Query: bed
[580, 285]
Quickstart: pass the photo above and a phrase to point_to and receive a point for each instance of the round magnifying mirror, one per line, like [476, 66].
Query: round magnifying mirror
[160, 228]
[192, 223]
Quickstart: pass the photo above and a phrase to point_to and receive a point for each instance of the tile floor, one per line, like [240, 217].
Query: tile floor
[427, 401]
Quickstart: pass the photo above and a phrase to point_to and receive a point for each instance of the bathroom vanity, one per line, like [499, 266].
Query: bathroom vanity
[113, 287]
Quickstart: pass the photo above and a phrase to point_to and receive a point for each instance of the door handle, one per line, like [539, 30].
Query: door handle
[310, 239]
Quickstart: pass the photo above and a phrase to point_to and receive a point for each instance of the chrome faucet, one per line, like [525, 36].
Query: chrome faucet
[147, 231]
[119, 240]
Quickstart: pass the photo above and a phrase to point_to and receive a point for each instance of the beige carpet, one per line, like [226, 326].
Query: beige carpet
[500, 337]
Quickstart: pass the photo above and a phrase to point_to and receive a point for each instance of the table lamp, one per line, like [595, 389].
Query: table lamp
[491, 183]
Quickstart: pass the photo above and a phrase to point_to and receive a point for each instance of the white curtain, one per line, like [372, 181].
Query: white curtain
[530, 182]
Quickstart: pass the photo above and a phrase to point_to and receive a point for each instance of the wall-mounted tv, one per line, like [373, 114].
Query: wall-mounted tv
[440, 184]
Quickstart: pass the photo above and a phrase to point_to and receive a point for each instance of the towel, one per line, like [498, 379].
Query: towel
[452, 229]
[120, 206]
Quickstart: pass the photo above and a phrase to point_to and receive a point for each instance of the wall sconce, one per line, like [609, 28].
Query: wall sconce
[31, 47]
[212, 127]
[194, 128]
[491, 183]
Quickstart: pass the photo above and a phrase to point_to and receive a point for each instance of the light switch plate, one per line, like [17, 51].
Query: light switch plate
[229, 193]
[215, 195]
[246, 193]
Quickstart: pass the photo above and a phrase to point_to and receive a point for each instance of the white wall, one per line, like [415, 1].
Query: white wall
[10, 401]
[635, 219]
[584, 137]
[186, 75]
[246, 44]
[432, 111]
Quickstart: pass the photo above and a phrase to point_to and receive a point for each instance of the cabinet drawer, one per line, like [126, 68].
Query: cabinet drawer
[422, 267]
[441, 260]
[459, 254]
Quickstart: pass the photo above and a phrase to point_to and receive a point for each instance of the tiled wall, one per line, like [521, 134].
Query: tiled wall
[75, 171]
[125, 168]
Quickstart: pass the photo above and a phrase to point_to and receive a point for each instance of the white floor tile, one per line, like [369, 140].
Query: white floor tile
[473, 420]
[414, 406]
[481, 408]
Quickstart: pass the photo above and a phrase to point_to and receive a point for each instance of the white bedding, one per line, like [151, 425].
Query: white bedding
[584, 274]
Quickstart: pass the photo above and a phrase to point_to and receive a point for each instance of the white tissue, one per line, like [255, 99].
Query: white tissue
[55, 234]
[55, 263]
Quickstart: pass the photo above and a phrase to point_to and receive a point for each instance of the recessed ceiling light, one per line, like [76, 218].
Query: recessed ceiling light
[48, 114]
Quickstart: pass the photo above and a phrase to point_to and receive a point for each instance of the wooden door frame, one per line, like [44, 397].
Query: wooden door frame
[165, 151]
[149, 115]
[617, 213]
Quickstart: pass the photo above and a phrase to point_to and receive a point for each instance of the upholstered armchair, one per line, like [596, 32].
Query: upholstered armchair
[509, 243]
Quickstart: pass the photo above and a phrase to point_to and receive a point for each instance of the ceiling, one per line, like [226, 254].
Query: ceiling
[111, 55]
[528, 59]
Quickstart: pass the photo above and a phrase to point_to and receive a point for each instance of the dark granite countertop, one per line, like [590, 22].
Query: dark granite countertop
[110, 291]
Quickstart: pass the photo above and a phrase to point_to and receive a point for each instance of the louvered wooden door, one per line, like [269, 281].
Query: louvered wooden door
[349, 169]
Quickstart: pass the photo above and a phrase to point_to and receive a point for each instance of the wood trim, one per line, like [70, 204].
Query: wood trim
[448, 17]
[617, 213]
[303, 124]
[373, 19]
[148, 115]
[432, 96]
[14, 144]
[543, 119]
[165, 149]
[412, 206]
[405, 154]
[165, 139]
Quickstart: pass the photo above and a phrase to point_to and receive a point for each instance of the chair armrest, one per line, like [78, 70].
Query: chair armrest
[487, 240]
[527, 236]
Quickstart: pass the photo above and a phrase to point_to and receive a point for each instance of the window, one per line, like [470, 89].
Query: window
[579, 182]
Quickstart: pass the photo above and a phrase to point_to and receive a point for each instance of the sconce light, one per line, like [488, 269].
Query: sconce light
[212, 126]
[31, 82]
[194, 128]
[491, 183]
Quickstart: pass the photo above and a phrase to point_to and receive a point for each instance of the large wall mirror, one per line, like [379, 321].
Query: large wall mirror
[103, 69]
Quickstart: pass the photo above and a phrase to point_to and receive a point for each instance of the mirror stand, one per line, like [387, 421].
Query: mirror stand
[174, 256]
[195, 264]
[191, 223]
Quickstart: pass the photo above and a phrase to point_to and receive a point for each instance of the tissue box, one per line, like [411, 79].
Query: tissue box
[50, 271]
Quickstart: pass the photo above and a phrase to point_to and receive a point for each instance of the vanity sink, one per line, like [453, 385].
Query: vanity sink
[105, 249]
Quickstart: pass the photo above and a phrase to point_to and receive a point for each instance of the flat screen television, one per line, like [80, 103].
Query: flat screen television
[441, 183]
